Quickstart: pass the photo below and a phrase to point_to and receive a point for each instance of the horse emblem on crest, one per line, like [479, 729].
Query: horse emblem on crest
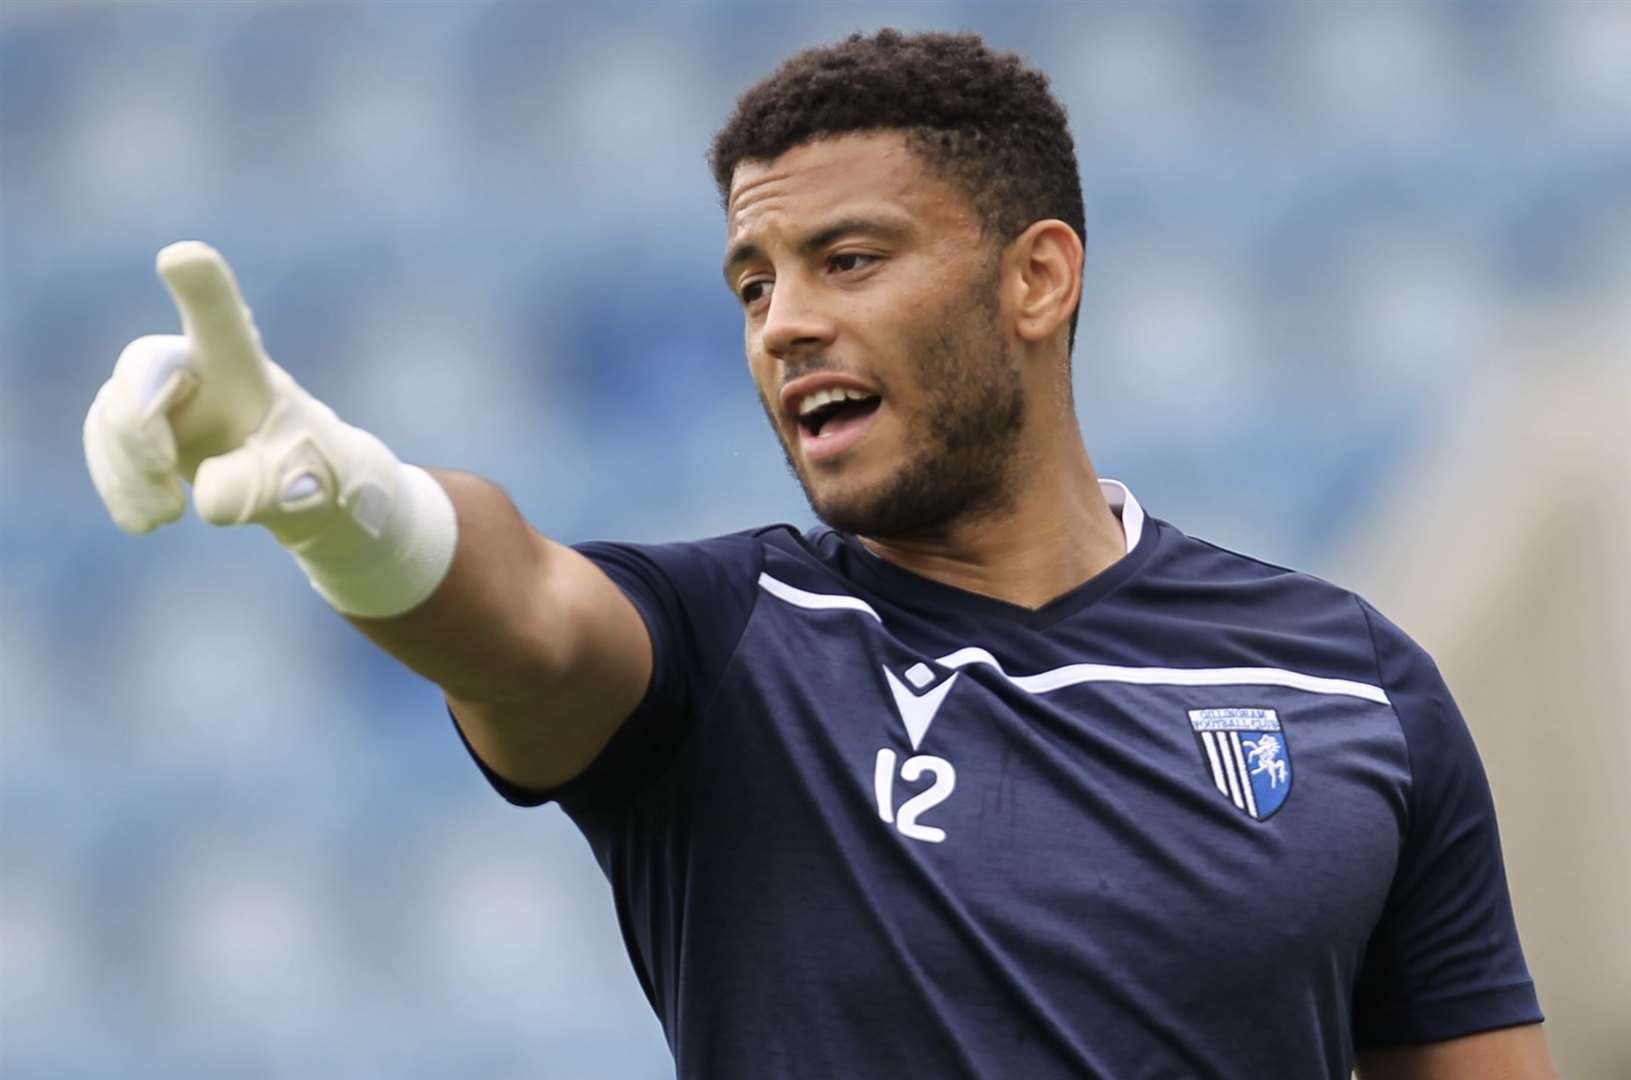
[1245, 752]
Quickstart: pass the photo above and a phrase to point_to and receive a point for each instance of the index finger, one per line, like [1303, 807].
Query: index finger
[213, 314]
[234, 377]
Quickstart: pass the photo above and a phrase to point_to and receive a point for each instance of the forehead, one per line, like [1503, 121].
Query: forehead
[836, 177]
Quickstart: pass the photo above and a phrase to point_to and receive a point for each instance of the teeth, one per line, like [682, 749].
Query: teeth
[810, 402]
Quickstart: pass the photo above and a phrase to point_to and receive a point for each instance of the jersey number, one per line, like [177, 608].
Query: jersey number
[906, 818]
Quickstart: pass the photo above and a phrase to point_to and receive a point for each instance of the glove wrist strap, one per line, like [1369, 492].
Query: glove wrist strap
[403, 553]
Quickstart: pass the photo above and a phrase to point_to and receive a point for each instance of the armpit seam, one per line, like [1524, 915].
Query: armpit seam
[706, 704]
[703, 711]
[700, 713]
[1404, 736]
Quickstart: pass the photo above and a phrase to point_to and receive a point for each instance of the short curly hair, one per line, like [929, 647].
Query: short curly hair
[978, 118]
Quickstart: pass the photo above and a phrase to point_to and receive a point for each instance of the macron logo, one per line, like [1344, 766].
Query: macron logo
[917, 710]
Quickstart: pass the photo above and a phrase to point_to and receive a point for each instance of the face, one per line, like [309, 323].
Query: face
[875, 335]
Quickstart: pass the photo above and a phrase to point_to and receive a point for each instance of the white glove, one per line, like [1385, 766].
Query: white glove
[374, 536]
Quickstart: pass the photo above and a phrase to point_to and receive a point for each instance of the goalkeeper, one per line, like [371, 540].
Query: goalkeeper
[993, 775]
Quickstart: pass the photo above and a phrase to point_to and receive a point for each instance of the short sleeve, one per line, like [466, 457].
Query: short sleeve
[1444, 961]
[695, 599]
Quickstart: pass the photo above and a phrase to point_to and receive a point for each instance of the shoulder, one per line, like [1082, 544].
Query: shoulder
[738, 552]
[1319, 625]
[1183, 561]
[1291, 617]
[712, 584]
[731, 562]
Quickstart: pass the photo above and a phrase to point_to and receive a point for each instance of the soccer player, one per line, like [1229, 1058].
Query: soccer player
[996, 775]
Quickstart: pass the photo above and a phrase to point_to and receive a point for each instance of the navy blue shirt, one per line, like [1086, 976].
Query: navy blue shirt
[1199, 817]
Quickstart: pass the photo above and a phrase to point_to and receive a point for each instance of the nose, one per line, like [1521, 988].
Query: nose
[795, 321]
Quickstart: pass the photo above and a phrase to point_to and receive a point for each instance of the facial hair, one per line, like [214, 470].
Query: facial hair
[963, 439]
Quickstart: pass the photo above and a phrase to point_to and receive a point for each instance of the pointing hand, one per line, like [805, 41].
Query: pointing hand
[209, 407]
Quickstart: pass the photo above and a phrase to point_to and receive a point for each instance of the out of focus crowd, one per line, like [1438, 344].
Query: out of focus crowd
[235, 841]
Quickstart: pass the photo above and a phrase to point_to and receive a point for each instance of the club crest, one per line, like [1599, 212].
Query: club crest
[1246, 754]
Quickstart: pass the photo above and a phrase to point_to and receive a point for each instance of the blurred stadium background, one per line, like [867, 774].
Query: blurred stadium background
[1358, 300]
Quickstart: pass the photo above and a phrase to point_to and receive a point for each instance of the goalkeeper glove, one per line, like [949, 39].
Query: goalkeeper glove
[374, 536]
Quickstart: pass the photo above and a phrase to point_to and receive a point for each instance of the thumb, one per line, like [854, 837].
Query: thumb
[230, 488]
[283, 484]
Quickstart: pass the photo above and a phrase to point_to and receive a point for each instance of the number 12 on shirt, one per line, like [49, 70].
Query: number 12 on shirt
[906, 819]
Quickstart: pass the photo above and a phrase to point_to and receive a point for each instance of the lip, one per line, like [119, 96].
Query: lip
[809, 384]
[817, 449]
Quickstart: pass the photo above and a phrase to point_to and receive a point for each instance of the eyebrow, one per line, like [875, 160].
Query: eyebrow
[885, 228]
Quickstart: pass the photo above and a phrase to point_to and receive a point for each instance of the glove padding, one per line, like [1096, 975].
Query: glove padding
[129, 444]
[210, 407]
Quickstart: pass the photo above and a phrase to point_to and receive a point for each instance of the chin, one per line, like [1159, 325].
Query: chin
[847, 510]
[915, 499]
[845, 503]
[881, 511]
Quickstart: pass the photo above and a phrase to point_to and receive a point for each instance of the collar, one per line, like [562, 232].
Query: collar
[1126, 509]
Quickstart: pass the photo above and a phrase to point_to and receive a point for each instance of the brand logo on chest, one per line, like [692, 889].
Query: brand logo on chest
[917, 709]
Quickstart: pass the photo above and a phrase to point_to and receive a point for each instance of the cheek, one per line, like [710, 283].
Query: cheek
[763, 374]
[759, 370]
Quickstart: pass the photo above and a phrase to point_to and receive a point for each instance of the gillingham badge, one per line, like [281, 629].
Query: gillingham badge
[1246, 754]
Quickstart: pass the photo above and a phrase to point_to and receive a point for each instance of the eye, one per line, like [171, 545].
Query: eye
[754, 291]
[846, 261]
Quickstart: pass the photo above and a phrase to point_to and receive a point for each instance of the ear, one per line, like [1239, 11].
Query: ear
[1044, 272]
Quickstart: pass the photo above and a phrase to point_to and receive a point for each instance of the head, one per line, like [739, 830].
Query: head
[903, 231]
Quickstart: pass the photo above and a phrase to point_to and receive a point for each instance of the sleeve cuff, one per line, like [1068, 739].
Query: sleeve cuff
[1438, 1019]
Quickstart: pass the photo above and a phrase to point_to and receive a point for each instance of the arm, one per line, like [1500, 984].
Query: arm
[1515, 1053]
[540, 654]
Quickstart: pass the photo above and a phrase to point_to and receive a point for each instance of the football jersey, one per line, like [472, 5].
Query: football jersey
[1200, 816]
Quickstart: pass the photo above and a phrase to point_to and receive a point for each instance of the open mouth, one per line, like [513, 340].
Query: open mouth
[832, 417]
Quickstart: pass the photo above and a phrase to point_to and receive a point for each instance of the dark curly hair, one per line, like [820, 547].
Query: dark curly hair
[978, 118]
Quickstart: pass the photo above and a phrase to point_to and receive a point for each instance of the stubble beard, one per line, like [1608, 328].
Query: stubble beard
[966, 435]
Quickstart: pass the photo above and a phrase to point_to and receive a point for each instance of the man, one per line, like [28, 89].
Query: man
[995, 776]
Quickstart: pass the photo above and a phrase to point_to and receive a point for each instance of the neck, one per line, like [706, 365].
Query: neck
[1056, 533]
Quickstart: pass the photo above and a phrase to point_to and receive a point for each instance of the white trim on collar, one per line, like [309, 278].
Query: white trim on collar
[1126, 508]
